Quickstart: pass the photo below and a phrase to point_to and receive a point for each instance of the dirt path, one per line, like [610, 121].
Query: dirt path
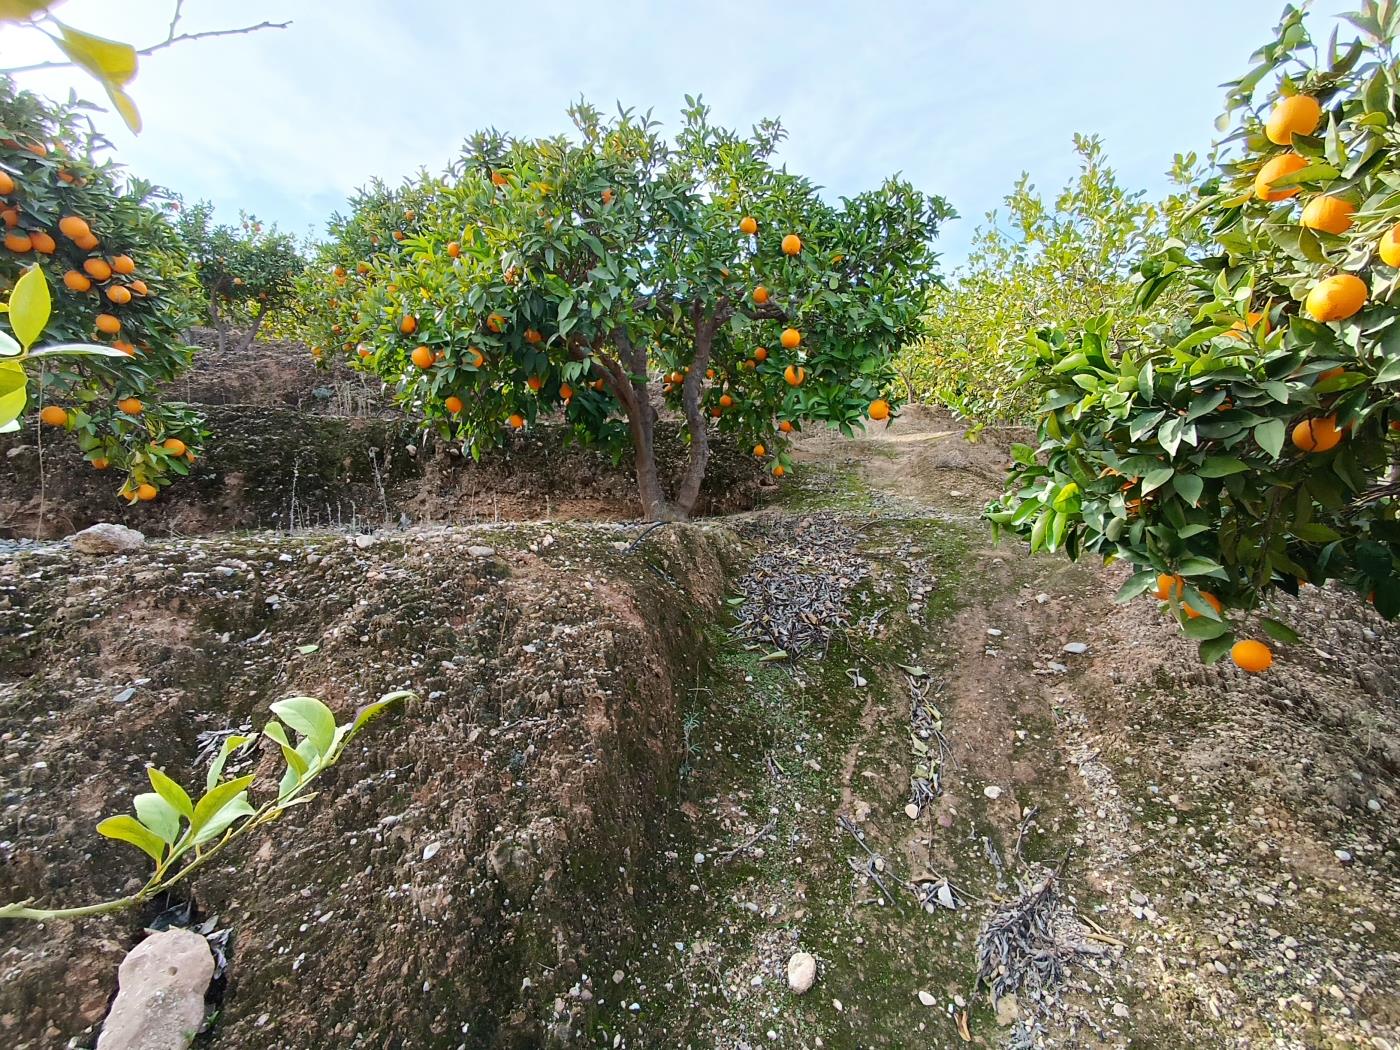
[1220, 849]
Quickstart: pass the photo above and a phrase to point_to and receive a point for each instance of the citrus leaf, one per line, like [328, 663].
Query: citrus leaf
[158, 815]
[172, 792]
[309, 717]
[214, 801]
[1279, 631]
[129, 829]
[1138, 584]
[110, 61]
[30, 306]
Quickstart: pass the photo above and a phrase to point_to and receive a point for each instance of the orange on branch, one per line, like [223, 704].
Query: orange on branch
[748, 225]
[792, 244]
[1328, 214]
[53, 416]
[422, 357]
[1293, 115]
[791, 338]
[1251, 656]
[1272, 171]
[1317, 435]
[1336, 298]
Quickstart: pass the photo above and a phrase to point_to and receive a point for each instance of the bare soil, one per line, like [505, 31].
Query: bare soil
[614, 814]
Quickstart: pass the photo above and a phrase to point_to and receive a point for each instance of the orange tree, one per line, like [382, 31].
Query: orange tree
[1251, 446]
[613, 273]
[116, 267]
[246, 272]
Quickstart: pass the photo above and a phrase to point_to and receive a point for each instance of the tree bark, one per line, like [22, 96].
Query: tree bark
[257, 323]
[705, 327]
[641, 424]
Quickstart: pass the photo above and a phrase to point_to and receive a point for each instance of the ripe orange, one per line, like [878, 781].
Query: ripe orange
[607, 196]
[97, 269]
[760, 295]
[792, 244]
[108, 324]
[119, 294]
[785, 427]
[1328, 214]
[76, 282]
[453, 404]
[534, 383]
[516, 420]
[408, 325]
[422, 357]
[761, 353]
[759, 451]
[1317, 435]
[146, 492]
[1211, 600]
[362, 268]
[748, 225]
[791, 338]
[495, 322]
[778, 470]
[125, 264]
[87, 243]
[175, 446]
[398, 235]
[1294, 115]
[138, 286]
[1256, 318]
[1169, 586]
[795, 375]
[453, 250]
[532, 336]
[716, 411]
[43, 243]
[363, 350]
[478, 358]
[1336, 298]
[101, 463]
[1272, 171]
[11, 216]
[1251, 656]
[7, 184]
[1331, 373]
[1390, 246]
[725, 401]
[879, 409]
[566, 391]
[53, 416]
[131, 406]
[124, 347]
[18, 242]
[410, 215]
[73, 227]
[498, 178]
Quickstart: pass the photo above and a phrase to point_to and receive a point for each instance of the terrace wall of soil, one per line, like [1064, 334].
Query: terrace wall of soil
[477, 853]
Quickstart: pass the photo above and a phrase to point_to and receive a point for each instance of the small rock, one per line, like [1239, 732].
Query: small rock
[481, 552]
[364, 542]
[1120, 1010]
[911, 811]
[160, 996]
[431, 850]
[1076, 648]
[618, 976]
[1266, 899]
[1058, 668]
[107, 538]
[993, 632]
[1343, 855]
[992, 791]
[927, 999]
[1042, 598]
[801, 972]
[1008, 1010]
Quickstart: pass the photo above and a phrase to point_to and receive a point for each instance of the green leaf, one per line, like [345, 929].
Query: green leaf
[1221, 466]
[158, 815]
[216, 768]
[370, 711]
[129, 829]
[1203, 628]
[1270, 435]
[30, 306]
[1212, 649]
[1138, 584]
[1279, 631]
[295, 763]
[1196, 566]
[215, 800]
[1155, 479]
[307, 650]
[13, 393]
[309, 717]
[1189, 487]
[171, 792]
[236, 807]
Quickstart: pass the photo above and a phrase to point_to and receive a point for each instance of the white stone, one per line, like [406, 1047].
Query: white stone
[1076, 648]
[992, 791]
[160, 997]
[801, 972]
[107, 538]
[927, 999]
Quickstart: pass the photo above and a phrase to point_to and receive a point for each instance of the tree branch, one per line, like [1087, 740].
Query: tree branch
[171, 38]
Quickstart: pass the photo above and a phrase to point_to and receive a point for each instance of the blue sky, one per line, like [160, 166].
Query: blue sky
[959, 97]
